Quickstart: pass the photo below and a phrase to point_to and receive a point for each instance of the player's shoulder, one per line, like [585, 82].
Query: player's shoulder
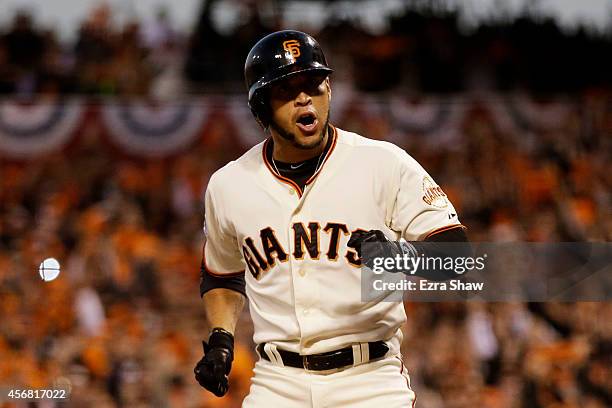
[382, 150]
[238, 169]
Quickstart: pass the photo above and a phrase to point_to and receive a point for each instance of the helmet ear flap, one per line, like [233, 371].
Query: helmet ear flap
[256, 115]
[260, 109]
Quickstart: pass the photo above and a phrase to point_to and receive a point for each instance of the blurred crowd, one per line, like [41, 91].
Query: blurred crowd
[423, 48]
[123, 323]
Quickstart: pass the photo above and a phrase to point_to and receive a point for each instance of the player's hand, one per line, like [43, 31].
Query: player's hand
[378, 246]
[358, 238]
[212, 370]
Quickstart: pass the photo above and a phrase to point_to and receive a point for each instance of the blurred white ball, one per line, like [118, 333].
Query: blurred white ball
[49, 269]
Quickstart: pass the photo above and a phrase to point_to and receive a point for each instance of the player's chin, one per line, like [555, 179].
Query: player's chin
[308, 141]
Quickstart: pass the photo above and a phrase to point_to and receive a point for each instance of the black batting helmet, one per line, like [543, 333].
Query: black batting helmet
[277, 56]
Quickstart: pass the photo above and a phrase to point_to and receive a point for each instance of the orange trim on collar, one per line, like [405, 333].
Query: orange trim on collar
[275, 174]
[290, 182]
[329, 152]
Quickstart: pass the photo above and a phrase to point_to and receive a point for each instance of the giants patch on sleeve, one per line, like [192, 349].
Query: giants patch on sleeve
[433, 194]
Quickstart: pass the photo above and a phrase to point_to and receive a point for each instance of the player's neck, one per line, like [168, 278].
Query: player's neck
[286, 152]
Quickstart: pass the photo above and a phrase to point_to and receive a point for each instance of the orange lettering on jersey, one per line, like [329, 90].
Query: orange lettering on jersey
[305, 240]
[352, 256]
[251, 263]
[262, 263]
[272, 248]
[293, 46]
[301, 237]
[334, 230]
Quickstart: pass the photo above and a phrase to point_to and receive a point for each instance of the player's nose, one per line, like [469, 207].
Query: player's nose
[302, 99]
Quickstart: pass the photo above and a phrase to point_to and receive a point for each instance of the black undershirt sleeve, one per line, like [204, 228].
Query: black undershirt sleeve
[437, 246]
[208, 281]
[452, 235]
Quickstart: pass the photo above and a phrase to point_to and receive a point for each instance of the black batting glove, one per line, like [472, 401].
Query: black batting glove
[379, 246]
[213, 369]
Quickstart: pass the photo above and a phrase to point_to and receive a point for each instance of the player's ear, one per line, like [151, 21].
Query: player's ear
[328, 86]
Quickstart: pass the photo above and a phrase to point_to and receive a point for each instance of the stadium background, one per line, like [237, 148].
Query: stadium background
[107, 142]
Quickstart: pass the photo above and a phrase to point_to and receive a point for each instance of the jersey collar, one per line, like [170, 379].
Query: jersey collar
[333, 132]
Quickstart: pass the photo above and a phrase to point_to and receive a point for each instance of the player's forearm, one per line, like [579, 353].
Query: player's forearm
[222, 308]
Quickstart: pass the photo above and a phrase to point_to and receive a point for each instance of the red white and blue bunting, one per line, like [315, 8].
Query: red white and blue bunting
[32, 129]
[414, 115]
[534, 115]
[248, 130]
[437, 120]
[144, 129]
[155, 130]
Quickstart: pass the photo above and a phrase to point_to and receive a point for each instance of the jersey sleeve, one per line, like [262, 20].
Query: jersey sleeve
[222, 256]
[421, 208]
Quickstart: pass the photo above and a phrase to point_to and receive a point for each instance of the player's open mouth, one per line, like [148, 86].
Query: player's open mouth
[307, 122]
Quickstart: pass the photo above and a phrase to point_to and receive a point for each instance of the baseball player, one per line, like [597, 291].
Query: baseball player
[284, 226]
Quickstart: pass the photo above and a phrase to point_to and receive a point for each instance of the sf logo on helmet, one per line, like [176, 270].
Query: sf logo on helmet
[293, 46]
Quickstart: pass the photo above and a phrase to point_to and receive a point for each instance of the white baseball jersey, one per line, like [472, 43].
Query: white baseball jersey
[302, 281]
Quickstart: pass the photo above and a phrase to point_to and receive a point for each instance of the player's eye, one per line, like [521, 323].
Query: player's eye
[312, 85]
[315, 84]
[283, 89]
